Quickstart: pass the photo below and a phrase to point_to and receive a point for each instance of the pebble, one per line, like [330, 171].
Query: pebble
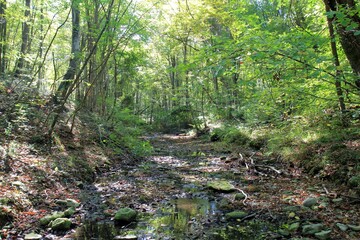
[309, 202]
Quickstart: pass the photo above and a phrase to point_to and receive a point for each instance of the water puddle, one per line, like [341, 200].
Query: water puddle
[182, 218]
[172, 221]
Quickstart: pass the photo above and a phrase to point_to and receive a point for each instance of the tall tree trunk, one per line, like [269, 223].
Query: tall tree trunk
[92, 16]
[2, 37]
[350, 39]
[334, 51]
[24, 41]
[172, 63]
[75, 51]
[187, 95]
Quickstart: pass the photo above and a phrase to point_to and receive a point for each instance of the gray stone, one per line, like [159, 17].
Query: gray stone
[354, 227]
[342, 227]
[309, 202]
[126, 215]
[235, 215]
[127, 237]
[312, 228]
[68, 203]
[32, 236]
[61, 224]
[323, 235]
[20, 185]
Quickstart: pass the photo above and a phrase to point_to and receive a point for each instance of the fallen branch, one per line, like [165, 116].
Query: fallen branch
[269, 167]
[248, 216]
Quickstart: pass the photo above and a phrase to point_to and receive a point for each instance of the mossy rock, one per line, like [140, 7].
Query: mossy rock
[61, 224]
[236, 215]
[68, 202]
[32, 236]
[125, 215]
[221, 186]
[239, 196]
[69, 212]
[312, 228]
[48, 218]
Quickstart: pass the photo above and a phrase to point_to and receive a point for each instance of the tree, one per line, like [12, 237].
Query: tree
[64, 86]
[24, 40]
[2, 36]
[347, 20]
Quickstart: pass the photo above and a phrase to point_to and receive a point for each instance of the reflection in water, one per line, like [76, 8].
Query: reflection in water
[179, 219]
[172, 221]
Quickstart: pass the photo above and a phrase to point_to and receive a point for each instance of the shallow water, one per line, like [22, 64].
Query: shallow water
[182, 218]
[174, 220]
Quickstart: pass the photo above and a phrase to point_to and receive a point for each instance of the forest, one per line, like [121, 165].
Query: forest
[178, 119]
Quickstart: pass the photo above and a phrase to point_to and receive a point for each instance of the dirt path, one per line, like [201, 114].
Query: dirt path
[170, 190]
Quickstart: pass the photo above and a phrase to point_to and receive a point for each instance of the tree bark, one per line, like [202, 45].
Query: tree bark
[2, 37]
[334, 51]
[75, 51]
[349, 37]
[24, 41]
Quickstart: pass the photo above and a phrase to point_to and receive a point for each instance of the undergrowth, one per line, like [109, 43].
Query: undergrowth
[321, 146]
[123, 134]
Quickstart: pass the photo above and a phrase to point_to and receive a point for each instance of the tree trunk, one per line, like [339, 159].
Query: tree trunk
[75, 50]
[24, 41]
[334, 51]
[2, 37]
[349, 38]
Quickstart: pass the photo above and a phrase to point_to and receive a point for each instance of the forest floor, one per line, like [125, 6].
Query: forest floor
[172, 192]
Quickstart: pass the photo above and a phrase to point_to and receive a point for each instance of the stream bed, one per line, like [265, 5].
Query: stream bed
[181, 218]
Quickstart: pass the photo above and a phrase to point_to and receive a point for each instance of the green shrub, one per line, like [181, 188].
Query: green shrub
[177, 119]
[124, 134]
[230, 135]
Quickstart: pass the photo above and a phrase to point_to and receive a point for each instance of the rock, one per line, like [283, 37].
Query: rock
[312, 228]
[20, 185]
[61, 224]
[323, 235]
[309, 202]
[342, 227]
[235, 215]
[32, 236]
[354, 227]
[48, 218]
[69, 212]
[240, 196]
[337, 200]
[284, 232]
[294, 226]
[126, 215]
[127, 237]
[68, 203]
[221, 186]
